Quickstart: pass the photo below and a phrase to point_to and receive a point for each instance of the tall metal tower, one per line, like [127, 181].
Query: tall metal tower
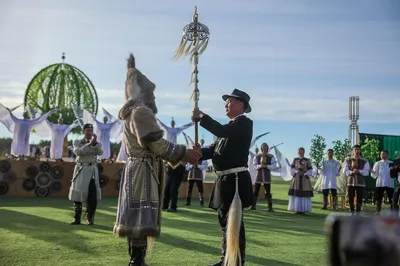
[354, 115]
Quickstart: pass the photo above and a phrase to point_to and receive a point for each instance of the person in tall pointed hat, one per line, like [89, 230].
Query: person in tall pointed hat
[232, 190]
[142, 179]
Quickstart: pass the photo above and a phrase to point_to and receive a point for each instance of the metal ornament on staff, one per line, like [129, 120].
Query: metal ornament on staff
[194, 42]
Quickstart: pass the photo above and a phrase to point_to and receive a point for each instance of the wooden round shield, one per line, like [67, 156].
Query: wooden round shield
[29, 184]
[56, 186]
[43, 180]
[3, 188]
[5, 166]
[32, 171]
[57, 172]
[42, 191]
[100, 167]
[45, 167]
[8, 177]
[103, 180]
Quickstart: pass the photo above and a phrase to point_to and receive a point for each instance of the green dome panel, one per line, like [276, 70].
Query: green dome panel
[61, 85]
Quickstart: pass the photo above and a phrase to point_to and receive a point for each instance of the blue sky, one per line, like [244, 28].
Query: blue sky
[298, 60]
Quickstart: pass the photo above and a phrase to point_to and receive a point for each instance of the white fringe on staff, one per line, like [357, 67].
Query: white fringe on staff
[191, 48]
[235, 213]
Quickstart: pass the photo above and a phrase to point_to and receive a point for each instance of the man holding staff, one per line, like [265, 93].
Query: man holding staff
[233, 188]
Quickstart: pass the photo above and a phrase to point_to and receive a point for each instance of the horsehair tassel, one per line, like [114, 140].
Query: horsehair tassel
[234, 220]
[204, 45]
[181, 48]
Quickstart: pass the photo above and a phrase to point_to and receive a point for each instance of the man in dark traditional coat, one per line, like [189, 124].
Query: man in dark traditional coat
[171, 190]
[139, 209]
[233, 188]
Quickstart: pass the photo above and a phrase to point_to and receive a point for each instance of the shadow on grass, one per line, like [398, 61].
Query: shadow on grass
[177, 242]
[48, 230]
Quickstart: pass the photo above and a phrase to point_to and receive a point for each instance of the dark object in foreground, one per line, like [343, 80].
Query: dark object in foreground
[364, 241]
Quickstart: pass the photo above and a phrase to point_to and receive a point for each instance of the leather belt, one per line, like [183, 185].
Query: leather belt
[232, 171]
[86, 164]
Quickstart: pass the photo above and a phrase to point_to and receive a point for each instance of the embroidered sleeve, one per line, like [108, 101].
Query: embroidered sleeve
[149, 134]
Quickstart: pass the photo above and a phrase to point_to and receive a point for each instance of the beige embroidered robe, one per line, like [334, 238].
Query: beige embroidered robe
[139, 210]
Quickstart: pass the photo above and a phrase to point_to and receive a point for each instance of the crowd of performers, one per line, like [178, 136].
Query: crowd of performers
[148, 144]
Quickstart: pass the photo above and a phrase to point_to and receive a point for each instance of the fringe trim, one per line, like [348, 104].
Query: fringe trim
[191, 48]
[121, 230]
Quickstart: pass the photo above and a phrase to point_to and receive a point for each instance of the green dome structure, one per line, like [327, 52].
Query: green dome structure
[61, 85]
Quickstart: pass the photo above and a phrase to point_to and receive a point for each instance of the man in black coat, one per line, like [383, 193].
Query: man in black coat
[229, 154]
[171, 189]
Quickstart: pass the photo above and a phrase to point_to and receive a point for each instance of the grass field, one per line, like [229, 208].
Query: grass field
[36, 231]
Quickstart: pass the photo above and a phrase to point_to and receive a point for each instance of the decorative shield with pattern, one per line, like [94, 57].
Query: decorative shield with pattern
[45, 167]
[42, 191]
[56, 186]
[57, 172]
[29, 184]
[43, 180]
[32, 171]
[8, 177]
[5, 166]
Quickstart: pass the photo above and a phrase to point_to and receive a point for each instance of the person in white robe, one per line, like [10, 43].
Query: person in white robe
[58, 132]
[384, 182]
[122, 156]
[104, 131]
[252, 171]
[330, 170]
[172, 133]
[300, 190]
[21, 129]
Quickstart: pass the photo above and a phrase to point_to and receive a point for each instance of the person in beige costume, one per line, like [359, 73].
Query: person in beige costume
[85, 185]
[139, 209]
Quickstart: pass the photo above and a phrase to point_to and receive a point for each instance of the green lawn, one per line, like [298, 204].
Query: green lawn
[36, 231]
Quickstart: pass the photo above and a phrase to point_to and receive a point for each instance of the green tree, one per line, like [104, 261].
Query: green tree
[341, 149]
[317, 150]
[370, 149]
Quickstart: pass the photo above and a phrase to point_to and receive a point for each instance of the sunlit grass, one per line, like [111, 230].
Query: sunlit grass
[36, 231]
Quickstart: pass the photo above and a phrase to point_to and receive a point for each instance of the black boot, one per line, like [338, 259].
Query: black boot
[188, 201]
[137, 254]
[378, 207]
[325, 203]
[223, 250]
[89, 217]
[253, 206]
[358, 208]
[90, 211]
[269, 200]
[201, 200]
[78, 213]
[334, 203]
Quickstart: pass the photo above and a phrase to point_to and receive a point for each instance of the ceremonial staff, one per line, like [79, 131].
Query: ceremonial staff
[194, 42]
